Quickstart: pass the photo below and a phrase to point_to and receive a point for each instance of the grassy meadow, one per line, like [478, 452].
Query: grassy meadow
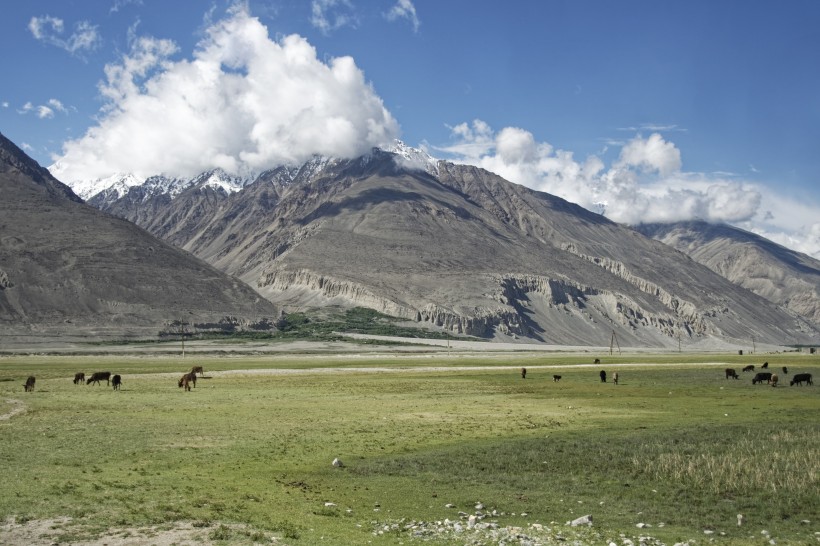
[675, 445]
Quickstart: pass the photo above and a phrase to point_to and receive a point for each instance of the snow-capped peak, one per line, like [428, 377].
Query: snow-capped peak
[413, 158]
[118, 182]
[219, 179]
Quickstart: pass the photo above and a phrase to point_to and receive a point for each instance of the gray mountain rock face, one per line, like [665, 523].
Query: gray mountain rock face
[459, 248]
[67, 268]
[780, 275]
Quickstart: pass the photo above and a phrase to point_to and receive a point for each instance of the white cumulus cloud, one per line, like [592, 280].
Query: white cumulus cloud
[51, 30]
[645, 183]
[242, 102]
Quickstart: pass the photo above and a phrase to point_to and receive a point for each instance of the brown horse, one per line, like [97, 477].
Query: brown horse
[186, 380]
[79, 378]
[198, 369]
[29, 386]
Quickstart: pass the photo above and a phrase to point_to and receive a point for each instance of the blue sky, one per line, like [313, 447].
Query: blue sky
[644, 110]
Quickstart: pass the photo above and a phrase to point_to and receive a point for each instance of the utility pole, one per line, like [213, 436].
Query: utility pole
[753, 345]
[613, 341]
[182, 334]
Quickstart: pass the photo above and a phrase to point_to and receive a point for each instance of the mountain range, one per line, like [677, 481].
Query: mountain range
[449, 246]
[69, 269]
[780, 275]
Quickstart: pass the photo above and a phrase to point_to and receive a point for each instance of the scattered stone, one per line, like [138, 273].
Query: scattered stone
[337, 463]
[741, 519]
[583, 520]
[330, 504]
[479, 506]
[449, 505]
[708, 532]
[805, 521]
[643, 525]
[471, 522]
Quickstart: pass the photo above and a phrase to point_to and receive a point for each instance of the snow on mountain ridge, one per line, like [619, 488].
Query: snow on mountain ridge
[413, 158]
[119, 182]
[117, 185]
[219, 179]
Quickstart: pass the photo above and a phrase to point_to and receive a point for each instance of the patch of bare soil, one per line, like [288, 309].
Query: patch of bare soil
[68, 531]
[17, 406]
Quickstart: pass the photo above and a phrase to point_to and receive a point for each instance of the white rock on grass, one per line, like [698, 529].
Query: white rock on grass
[583, 520]
[337, 463]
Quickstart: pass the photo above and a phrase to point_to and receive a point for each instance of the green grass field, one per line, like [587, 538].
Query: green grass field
[674, 445]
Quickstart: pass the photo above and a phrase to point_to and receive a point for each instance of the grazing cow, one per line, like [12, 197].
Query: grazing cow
[79, 378]
[760, 377]
[799, 378]
[29, 385]
[117, 382]
[773, 380]
[730, 372]
[96, 377]
[749, 368]
[603, 376]
[523, 373]
[615, 378]
[597, 361]
[186, 380]
[785, 370]
[765, 365]
[199, 370]
[556, 378]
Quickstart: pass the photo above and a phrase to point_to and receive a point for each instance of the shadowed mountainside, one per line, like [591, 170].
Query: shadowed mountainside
[67, 268]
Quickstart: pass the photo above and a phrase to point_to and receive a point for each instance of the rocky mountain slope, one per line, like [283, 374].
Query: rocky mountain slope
[67, 268]
[780, 275]
[456, 247]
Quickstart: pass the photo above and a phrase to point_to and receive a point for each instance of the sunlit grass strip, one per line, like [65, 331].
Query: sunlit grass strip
[785, 462]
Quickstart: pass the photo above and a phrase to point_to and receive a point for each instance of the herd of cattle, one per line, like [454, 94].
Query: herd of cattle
[770, 378]
[186, 381]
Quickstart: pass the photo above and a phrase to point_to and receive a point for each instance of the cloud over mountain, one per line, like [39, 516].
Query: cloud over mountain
[645, 183]
[243, 102]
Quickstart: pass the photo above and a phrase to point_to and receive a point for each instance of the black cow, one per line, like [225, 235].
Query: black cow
[96, 377]
[603, 376]
[785, 370]
[749, 368]
[29, 385]
[556, 378]
[117, 382]
[79, 378]
[800, 378]
[730, 372]
[597, 361]
[762, 377]
[765, 365]
[523, 373]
